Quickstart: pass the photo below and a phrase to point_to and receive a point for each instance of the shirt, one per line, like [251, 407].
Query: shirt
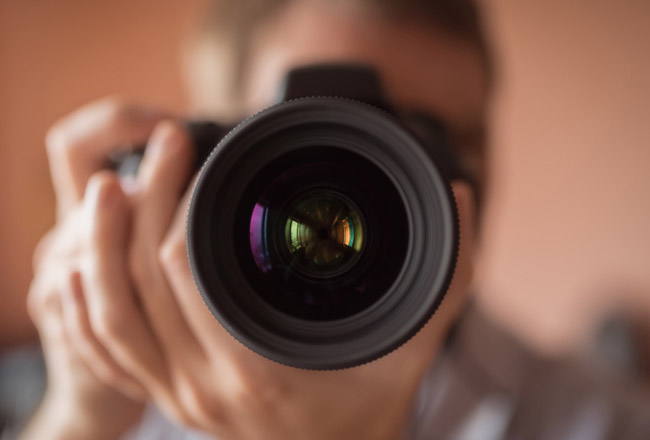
[489, 386]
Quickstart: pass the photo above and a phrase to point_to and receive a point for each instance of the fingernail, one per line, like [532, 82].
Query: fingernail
[107, 195]
[166, 138]
[107, 190]
[98, 191]
[129, 184]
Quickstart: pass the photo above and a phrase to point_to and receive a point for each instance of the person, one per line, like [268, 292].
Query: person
[119, 316]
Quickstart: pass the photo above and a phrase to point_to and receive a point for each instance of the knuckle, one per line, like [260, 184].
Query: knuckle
[172, 255]
[55, 136]
[63, 136]
[42, 298]
[58, 142]
[270, 393]
[118, 111]
[200, 404]
[114, 105]
[255, 388]
[34, 302]
[44, 294]
[108, 327]
[118, 106]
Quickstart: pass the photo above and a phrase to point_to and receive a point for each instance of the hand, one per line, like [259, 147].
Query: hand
[80, 403]
[162, 335]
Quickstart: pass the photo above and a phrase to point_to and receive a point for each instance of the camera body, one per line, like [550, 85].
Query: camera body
[322, 232]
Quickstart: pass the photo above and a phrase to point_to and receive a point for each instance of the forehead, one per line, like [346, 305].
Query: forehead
[422, 67]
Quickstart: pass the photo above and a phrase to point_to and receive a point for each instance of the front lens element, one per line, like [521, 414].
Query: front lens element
[327, 233]
[323, 234]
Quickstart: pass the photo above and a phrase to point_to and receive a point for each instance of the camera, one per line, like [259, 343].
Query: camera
[322, 231]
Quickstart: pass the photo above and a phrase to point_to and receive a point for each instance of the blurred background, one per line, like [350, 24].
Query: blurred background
[566, 244]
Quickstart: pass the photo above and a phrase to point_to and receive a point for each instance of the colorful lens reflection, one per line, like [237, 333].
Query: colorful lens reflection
[323, 233]
[319, 234]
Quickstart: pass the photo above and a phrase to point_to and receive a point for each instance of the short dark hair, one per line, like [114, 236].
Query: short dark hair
[233, 22]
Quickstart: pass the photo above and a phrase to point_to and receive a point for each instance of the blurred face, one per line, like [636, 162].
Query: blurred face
[422, 68]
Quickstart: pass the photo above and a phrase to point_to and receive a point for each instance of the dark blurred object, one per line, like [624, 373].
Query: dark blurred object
[22, 384]
[618, 344]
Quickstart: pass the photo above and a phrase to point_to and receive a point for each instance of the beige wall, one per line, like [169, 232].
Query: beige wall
[568, 222]
[568, 231]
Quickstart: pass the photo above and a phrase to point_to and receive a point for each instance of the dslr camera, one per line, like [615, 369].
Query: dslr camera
[322, 231]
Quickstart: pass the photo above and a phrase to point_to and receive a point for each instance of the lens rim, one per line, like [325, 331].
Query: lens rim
[413, 297]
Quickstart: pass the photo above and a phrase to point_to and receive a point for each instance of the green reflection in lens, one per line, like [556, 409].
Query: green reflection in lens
[323, 233]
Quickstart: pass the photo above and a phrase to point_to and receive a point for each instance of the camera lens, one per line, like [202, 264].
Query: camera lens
[327, 232]
[321, 233]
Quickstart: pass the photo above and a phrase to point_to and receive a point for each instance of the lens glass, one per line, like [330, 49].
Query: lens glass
[321, 233]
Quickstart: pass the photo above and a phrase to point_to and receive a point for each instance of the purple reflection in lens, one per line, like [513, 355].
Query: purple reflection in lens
[258, 239]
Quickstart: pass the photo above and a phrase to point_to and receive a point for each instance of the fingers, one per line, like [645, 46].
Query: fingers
[77, 325]
[204, 403]
[44, 308]
[161, 180]
[46, 311]
[164, 174]
[78, 145]
[162, 177]
[174, 260]
[114, 316]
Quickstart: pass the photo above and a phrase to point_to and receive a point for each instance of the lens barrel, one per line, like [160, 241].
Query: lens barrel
[321, 233]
